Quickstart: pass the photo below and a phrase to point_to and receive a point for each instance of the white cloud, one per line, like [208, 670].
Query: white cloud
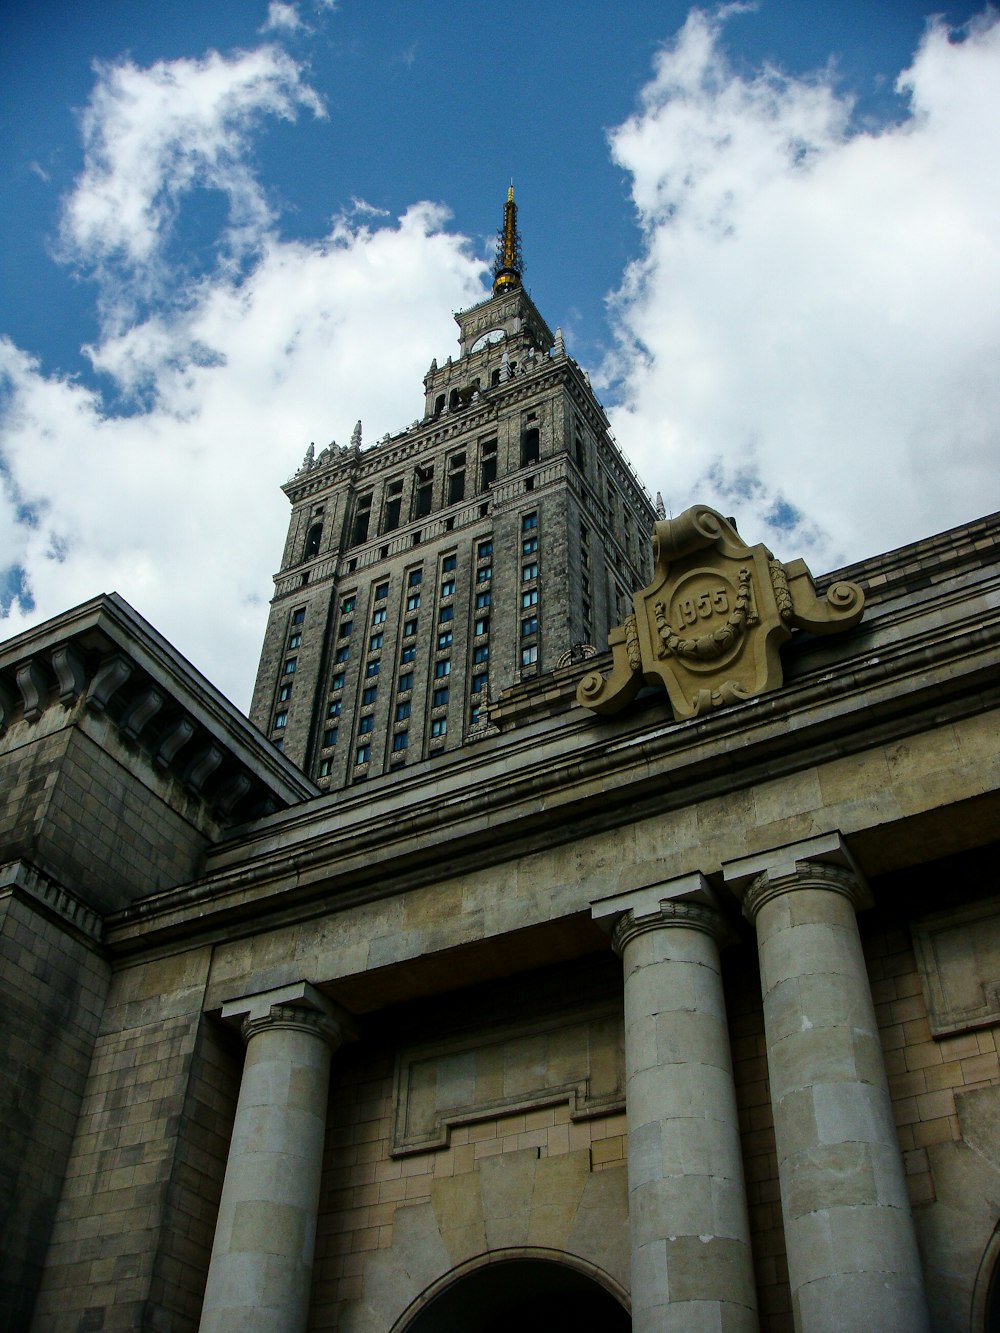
[283, 18]
[814, 324]
[151, 137]
[176, 506]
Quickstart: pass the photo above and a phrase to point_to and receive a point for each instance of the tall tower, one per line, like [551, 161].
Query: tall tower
[470, 551]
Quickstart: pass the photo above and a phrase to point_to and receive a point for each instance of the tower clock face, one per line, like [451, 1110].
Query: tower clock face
[493, 336]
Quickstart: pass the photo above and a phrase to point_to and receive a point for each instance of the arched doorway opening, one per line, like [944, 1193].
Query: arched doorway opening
[526, 1295]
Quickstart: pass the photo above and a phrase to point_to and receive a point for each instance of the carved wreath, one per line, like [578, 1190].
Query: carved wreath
[708, 646]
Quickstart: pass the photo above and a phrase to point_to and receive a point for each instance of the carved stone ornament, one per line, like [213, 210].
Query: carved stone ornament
[710, 625]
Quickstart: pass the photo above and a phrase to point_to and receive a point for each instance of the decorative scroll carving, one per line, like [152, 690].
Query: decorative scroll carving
[709, 626]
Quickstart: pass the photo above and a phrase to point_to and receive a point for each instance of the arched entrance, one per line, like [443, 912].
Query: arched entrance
[526, 1295]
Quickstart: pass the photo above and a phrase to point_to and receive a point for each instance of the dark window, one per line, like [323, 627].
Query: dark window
[529, 572]
[369, 695]
[483, 550]
[281, 719]
[338, 681]
[415, 577]
[442, 669]
[409, 629]
[362, 514]
[530, 598]
[413, 601]
[405, 681]
[345, 630]
[372, 669]
[448, 588]
[298, 616]
[334, 709]
[362, 754]
[479, 682]
[528, 522]
[448, 563]
[440, 697]
[483, 625]
[325, 767]
[439, 405]
[483, 599]
[529, 655]
[403, 711]
[439, 726]
[529, 626]
[482, 654]
[400, 741]
[312, 541]
[408, 654]
[445, 640]
[342, 654]
[290, 666]
[456, 487]
[529, 446]
[484, 574]
[445, 614]
[348, 605]
[294, 640]
[284, 693]
[365, 725]
[330, 736]
[381, 592]
[529, 546]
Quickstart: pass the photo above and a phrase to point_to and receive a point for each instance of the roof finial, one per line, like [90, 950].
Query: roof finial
[508, 265]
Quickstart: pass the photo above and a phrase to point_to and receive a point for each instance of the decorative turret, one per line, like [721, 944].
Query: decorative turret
[508, 265]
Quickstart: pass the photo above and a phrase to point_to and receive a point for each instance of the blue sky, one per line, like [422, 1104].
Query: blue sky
[769, 232]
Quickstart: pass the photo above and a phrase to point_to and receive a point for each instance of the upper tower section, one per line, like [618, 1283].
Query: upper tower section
[508, 265]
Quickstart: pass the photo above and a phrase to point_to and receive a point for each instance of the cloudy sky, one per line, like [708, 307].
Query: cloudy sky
[771, 232]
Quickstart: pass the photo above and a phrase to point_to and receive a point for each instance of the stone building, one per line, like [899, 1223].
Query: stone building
[471, 550]
[678, 1015]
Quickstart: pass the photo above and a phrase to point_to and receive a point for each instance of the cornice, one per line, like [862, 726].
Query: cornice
[543, 779]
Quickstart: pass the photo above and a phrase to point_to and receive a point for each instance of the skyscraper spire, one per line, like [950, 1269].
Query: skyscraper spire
[508, 265]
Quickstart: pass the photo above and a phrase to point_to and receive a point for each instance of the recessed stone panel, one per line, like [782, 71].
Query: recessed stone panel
[958, 954]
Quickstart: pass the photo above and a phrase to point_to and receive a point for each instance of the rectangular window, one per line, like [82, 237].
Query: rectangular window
[479, 682]
[284, 693]
[529, 571]
[413, 601]
[483, 625]
[334, 709]
[439, 726]
[482, 654]
[362, 514]
[368, 695]
[366, 725]
[281, 719]
[338, 681]
[409, 629]
[484, 574]
[408, 654]
[528, 522]
[529, 655]
[381, 592]
[325, 767]
[403, 711]
[529, 546]
[474, 715]
[442, 669]
[529, 598]
[456, 487]
[448, 588]
[362, 754]
[446, 639]
[372, 669]
[379, 616]
[488, 472]
[440, 697]
[415, 578]
[405, 681]
[400, 741]
[448, 564]
[298, 615]
[483, 550]
[422, 506]
[345, 629]
[330, 736]
[294, 640]
[348, 605]
[529, 626]
[290, 665]
[445, 614]
[375, 642]
[483, 600]
[342, 654]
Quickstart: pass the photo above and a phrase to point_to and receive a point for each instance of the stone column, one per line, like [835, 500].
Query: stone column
[261, 1266]
[691, 1263]
[852, 1253]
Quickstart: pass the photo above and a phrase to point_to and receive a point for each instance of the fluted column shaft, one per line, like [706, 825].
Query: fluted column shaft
[852, 1254]
[691, 1261]
[261, 1267]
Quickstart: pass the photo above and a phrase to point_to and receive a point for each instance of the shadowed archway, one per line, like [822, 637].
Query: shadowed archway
[529, 1295]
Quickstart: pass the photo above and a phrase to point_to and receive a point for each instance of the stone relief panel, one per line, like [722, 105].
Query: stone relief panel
[576, 1058]
[958, 954]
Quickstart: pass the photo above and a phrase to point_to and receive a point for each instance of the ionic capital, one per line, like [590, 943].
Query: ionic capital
[806, 875]
[688, 915]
